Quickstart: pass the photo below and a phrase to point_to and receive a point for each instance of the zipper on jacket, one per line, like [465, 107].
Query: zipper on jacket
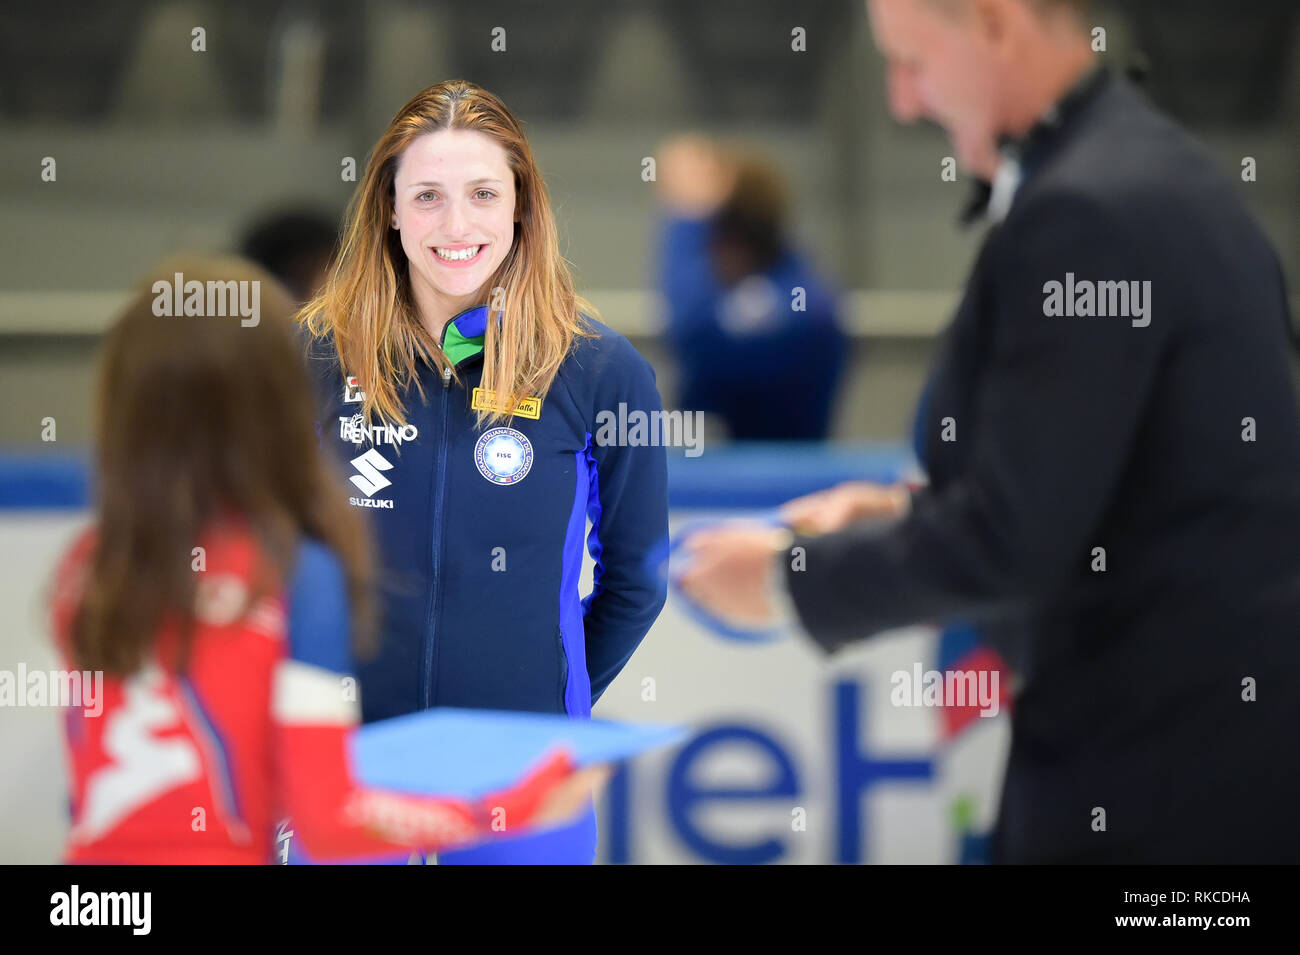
[440, 488]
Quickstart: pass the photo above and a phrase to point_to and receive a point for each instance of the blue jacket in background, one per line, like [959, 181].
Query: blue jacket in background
[745, 353]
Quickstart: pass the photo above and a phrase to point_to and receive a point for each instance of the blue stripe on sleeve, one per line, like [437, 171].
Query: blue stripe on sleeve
[320, 617]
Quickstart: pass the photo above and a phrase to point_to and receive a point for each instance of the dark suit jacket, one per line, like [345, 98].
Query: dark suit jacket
[1076, 433]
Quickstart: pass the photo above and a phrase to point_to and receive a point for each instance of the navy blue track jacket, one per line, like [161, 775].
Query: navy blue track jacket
[480, 532]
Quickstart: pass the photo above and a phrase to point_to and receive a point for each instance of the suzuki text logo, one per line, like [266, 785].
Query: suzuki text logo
[370, 480]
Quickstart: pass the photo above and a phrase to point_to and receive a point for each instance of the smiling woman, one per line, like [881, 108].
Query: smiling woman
[456, 231]
[452, 172]
[451, 317]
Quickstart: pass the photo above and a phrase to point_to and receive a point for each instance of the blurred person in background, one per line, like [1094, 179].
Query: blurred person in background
[1113, 446]
[752, 327]
[464, 382]
[297, 246]
[220, 590]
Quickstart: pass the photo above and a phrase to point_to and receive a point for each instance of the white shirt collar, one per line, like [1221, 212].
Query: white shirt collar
[1003, 188]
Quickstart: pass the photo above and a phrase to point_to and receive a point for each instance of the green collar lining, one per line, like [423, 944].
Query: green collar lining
[457, 347]
[462, 338]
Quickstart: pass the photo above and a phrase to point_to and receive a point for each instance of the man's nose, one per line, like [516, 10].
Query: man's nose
[904, 103]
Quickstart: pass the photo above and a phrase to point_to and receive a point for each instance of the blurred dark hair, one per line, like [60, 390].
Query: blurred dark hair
[754, 214]
[294, 245]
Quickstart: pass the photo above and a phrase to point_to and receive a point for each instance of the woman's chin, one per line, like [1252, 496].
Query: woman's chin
[459, 289]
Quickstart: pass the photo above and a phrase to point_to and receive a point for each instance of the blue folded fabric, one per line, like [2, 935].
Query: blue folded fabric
[470, 753]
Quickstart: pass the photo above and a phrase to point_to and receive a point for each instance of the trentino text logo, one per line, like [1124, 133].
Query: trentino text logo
[353, 428]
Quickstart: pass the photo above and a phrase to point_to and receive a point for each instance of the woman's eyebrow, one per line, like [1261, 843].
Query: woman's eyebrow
[472, 182]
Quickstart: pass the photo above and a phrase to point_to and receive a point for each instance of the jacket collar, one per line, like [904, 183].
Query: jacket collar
[1021, 157]
[462, 337]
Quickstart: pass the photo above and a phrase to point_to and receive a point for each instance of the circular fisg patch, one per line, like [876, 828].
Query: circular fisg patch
[503, 455]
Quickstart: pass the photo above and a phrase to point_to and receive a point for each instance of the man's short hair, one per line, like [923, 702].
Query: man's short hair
[1077, 6]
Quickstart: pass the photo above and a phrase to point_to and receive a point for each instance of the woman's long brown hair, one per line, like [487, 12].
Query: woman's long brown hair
[367, 304]
[200, 417]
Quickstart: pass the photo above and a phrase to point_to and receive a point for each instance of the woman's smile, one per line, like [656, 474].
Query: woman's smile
[458, 256]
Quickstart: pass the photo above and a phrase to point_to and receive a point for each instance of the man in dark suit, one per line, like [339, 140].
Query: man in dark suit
[1112, 440]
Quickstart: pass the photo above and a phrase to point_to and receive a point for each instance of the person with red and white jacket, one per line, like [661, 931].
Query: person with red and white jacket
[198, 766]
[215, 592]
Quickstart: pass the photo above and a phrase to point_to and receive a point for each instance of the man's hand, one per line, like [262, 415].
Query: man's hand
[835, 508]
[730, 570]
